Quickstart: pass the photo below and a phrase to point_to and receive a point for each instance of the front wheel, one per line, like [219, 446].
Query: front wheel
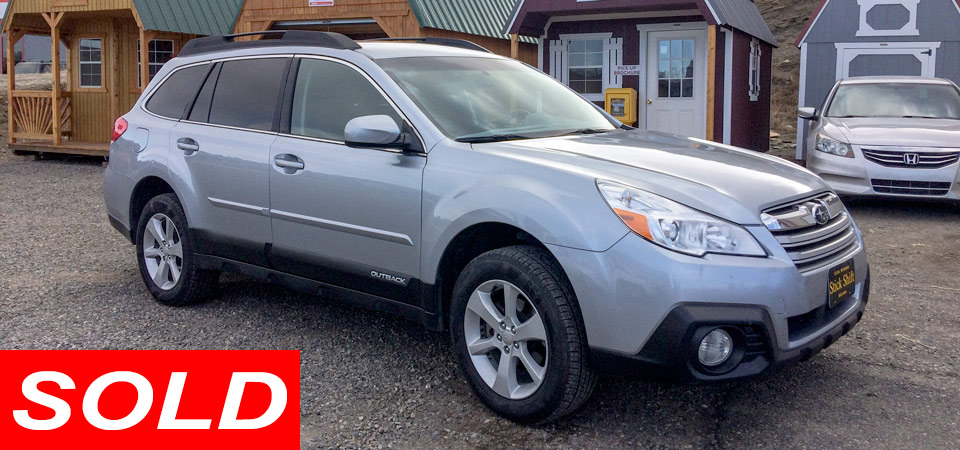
[517, 334]
[165, 256]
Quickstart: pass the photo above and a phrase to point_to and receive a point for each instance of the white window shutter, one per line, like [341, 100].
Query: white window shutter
[558, 60]
[612, 57]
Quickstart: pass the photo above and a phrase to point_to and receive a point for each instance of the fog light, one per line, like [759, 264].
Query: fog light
[715, 348]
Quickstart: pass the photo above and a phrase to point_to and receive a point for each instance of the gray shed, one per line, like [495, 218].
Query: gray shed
[849, 38]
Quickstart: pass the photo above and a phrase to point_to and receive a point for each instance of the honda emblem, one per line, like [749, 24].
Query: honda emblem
[911, 159]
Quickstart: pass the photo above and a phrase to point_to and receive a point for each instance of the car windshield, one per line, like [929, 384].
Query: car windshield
[919, 100]
[488, 100]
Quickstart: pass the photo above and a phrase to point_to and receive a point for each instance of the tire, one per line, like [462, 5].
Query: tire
[566, 380]
[170, 248]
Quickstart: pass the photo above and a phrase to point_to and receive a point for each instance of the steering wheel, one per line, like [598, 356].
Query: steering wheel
[517, 117]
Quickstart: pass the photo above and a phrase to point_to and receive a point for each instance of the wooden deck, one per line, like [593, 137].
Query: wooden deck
[68, 147]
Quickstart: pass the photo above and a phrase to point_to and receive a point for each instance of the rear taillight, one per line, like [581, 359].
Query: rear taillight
[119, 127]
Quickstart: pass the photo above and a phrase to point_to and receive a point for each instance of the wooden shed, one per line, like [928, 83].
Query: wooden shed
[105, 70]
[701, 68]
[479, 21]
[850, 38]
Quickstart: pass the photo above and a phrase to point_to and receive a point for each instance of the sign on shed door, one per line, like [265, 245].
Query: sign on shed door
[894, 58]
[675, 94]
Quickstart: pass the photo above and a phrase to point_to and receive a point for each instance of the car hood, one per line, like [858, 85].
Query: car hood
[727, 182]
[902, 132]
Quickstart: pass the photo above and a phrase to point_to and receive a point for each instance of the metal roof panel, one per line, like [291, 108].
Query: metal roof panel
[208, 17]
[744, 16]
[477, 17]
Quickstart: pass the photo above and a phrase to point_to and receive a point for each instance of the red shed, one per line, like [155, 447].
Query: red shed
[701, 67]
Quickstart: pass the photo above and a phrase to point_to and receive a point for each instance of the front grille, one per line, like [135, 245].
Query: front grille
[809, 243]
[900, 187]
[906, 159]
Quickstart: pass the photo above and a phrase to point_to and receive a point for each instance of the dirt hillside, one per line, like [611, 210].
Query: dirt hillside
[786, 19]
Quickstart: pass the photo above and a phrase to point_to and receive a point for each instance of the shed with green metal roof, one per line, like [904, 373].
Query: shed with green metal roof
[478, 21]
[105, 68]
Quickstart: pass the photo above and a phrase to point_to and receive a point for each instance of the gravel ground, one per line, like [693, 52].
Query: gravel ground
[370, 380]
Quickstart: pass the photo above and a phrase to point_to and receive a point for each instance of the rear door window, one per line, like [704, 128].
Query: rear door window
[247, 93]
[177, 91]
[330, 94]
[201, 107]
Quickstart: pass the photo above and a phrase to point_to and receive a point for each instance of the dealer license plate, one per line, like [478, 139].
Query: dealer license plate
[842, 283]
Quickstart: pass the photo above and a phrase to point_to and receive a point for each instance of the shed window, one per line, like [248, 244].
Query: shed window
[586, 66]
[159, 52]
[754, 70]
[91, 63]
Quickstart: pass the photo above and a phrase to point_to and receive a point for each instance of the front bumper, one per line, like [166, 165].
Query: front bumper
[857, 176]
[645, 305]
[671, 353]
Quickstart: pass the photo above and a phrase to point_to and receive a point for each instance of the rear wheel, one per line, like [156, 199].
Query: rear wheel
[517, 335]
[165, 257]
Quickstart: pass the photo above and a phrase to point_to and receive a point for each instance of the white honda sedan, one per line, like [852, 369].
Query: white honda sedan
[888, 136]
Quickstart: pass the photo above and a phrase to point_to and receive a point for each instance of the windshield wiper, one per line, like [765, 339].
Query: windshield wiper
[492, 138]
[587, 131]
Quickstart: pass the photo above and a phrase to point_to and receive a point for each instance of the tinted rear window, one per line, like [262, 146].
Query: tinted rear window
[247, 93]
[173, 95]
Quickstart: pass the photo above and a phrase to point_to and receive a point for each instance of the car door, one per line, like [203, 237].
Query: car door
[224, 150]
[341, 215]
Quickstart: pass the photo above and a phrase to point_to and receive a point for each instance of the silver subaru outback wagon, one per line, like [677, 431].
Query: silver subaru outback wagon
[471, 193]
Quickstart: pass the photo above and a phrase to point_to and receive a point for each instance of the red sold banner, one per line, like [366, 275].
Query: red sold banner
[149, 399]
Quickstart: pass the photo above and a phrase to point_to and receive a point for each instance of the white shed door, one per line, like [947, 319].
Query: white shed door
[912, 59]
[676, 92]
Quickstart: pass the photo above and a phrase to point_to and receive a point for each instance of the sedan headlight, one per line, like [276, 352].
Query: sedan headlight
[834, 147]
[677, 227]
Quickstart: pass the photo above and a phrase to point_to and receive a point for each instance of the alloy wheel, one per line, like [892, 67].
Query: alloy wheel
[163, 251]
[506, 338]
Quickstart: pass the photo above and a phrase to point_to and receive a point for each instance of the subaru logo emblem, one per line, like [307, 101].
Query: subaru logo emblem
[911, 159]
[821, 213]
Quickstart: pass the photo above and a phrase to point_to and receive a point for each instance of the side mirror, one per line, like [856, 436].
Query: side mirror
[374, 132]
[807, 113]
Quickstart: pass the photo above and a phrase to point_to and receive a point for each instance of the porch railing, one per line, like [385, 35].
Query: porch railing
[31, 113]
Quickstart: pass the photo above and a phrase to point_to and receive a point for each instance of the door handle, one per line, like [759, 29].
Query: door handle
[289, 163]
[649, 101]
[188, 145]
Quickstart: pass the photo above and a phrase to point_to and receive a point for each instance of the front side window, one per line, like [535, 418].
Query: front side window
[91, 63]
[675, 68]
[159, 52]
[330, 94]
[586, 66]
[912, 100]
[486, 99]
[247, 93]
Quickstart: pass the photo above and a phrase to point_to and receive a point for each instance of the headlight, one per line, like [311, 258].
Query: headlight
[677, 227]
[833, 146]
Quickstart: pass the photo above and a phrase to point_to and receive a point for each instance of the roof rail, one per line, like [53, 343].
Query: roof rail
[272, 38]
[449, 42]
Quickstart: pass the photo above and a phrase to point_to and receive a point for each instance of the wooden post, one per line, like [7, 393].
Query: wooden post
[54, 20]
[145, 38]
[711, 79]
[12, 38]
[515, 46]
